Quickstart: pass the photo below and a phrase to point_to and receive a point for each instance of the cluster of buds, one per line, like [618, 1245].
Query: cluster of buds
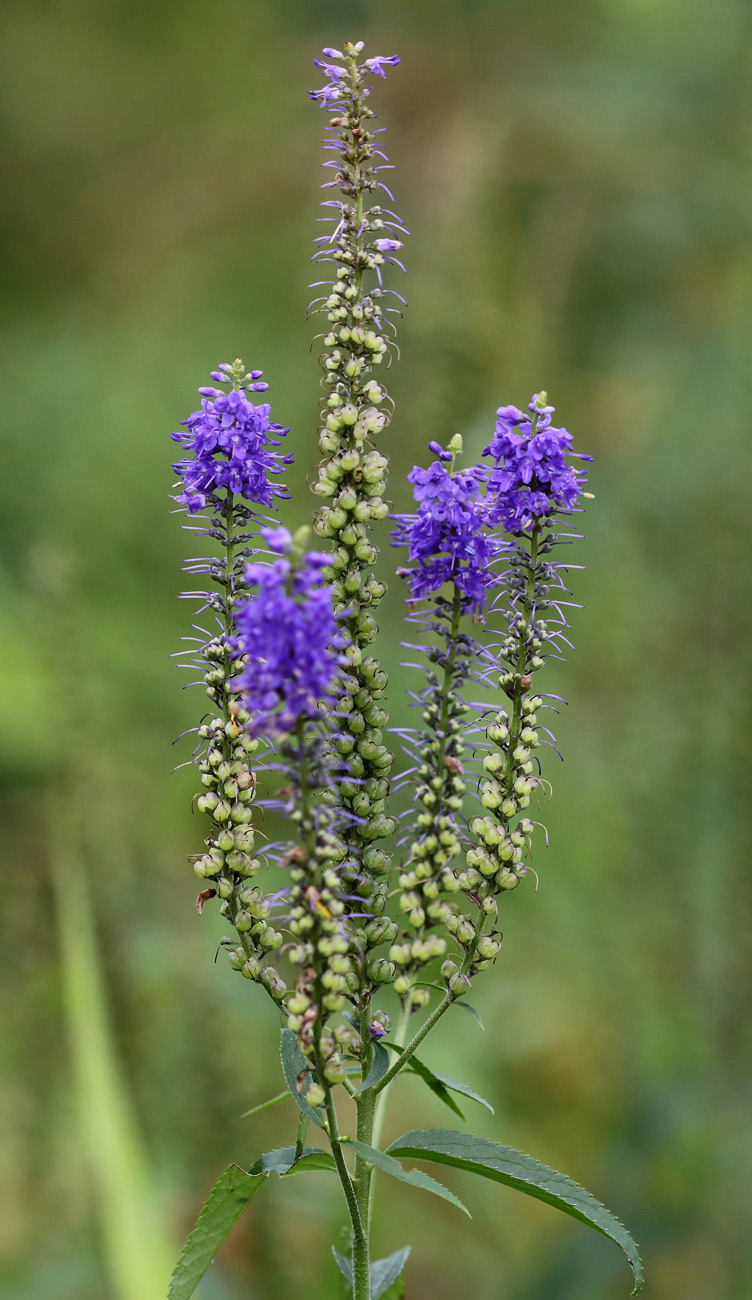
[353, 475]
[428, 879]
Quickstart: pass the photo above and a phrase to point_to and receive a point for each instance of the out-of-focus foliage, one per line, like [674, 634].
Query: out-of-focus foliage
[577, 180]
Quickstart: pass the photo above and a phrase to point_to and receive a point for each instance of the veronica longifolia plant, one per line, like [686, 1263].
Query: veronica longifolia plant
[343, 942]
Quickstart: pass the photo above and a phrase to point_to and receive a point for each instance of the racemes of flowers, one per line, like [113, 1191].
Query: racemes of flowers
[362, 948]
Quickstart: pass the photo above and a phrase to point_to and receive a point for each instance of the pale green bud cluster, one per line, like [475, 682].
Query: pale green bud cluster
[228, 789]
[352, 482]
[429, 876]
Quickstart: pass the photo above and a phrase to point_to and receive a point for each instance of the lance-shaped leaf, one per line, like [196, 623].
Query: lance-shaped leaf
[384, 1272]
[228, 1198]
[442, 1085]
[283, 1161]
[471, 1012]
[515, 1169]
[264, 1105]
[297, 1078]
[388, 1165]
[378, 1069]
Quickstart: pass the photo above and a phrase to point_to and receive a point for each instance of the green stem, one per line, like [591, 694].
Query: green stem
[400, 1034]
[359, 1237]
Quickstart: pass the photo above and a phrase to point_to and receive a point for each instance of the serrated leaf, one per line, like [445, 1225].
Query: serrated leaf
[388, 1165]
[294, 1065]
[378, 1068]
[384, 1272]
[515, 1169]
[264, 1105]
[283, 1161]
[228, 1198]
[471, 1012]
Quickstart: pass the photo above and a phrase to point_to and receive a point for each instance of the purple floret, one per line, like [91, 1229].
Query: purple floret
[289, 636]
[232, 443]
[531, 479]
[339, 88]
[447, 539]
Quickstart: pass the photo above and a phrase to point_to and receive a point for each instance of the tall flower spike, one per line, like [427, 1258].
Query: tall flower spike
[449, 545]
[364, 239]
[233, 444]
[531, 491]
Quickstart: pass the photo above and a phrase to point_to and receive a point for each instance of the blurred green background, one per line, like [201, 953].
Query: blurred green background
[577, 180]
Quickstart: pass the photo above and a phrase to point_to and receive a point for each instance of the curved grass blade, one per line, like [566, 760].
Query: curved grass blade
[227, 1199]
[515, 1169]
[388, 1165]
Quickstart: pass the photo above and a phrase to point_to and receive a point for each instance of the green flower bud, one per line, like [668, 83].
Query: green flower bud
[251, 968]
[315, 1095]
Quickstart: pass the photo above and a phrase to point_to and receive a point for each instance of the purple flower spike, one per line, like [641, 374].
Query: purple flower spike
[531, 479]
[288, 636]
[448, 539]
[232, 443]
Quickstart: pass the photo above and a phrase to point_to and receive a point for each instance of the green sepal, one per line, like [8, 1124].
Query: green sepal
[515, 1169]
[294, 1065]
[388, 1165]
[227, 1199]
[384, 1272]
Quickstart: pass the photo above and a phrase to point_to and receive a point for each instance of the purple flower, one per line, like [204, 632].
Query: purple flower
[532, 479]
[339, 87]
[377, 64]
[448, 539]
[289, 637]
[231, 441]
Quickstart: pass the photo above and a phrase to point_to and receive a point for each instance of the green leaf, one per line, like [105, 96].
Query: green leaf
[435, 1084]
[378, 1068]
[228, 1198]
[344, 1265]
[462, 1088]
[439, 1083]
[384, 1272]
[388, 1165]
[283, 1161]
[294, 1068]
[264, 1105]
[471, 1012]
[505, 1165]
